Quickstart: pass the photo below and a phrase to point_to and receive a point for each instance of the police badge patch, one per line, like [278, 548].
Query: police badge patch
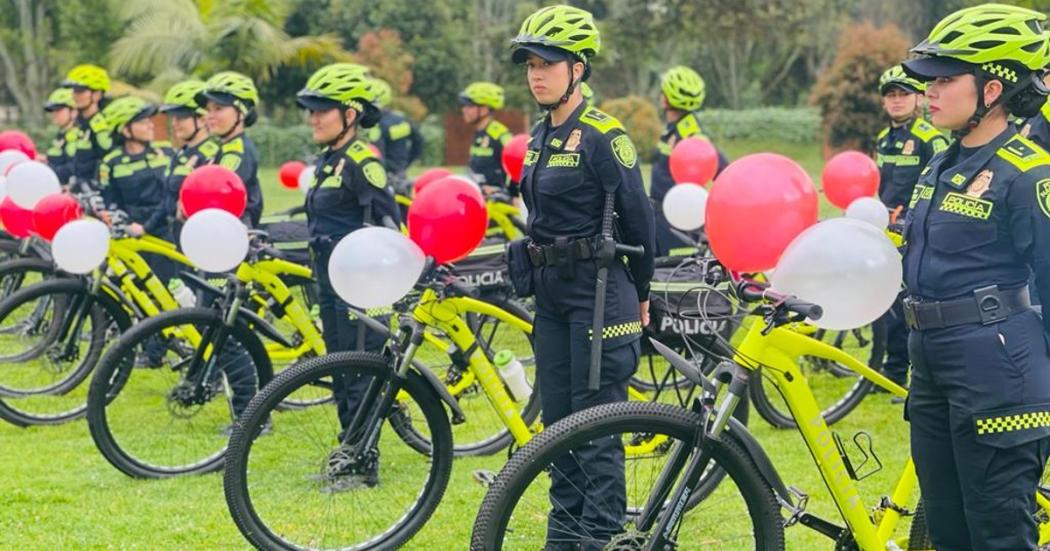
[1042, 191]
[909, 147]
[624, 151]
[980, 183]
[375, 174]
[573, 143]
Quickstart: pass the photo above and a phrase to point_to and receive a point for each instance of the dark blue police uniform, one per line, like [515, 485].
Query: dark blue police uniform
[568, 171]
[135, 185]
[901, 152]
[238, 154]
[349, 190]
[61, 152]
[96, 140]
[979, 404]
[486, 154]
[661, 182]
[1037, 128]
[399, 143]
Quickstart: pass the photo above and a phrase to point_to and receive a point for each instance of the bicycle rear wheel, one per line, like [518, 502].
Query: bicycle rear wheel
[837, 389]
[286, 489]
[741, 514]
[164, 397]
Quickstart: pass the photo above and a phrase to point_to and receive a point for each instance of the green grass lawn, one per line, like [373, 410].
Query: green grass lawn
[57, 492]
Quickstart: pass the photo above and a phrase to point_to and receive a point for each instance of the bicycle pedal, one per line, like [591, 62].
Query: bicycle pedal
[483, 477]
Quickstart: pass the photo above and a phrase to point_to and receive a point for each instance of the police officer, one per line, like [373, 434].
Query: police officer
[1037, 127]
[230, 99]
[188, 128]
[902, 149]
[478, 103]
[349, 191]
[89, 84]
[979, 403]
[578, 158]
[399, 141]
[62, 108]
[682, 92]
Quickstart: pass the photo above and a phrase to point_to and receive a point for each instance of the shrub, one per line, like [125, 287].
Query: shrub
[277, 144]
[778, 124]
[847, 92]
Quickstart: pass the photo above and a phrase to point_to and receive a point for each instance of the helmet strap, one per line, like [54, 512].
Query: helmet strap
[346, 128]
[573, 83]
[980, 80]
[233, 129]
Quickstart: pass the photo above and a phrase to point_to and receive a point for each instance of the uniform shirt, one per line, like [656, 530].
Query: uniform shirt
[347, 181]
[486, 153]
[980, 217]
[96, 140]
[398, 140]
[63, 149]
[568, 171]
[182, 163]
[135, 184]
[1037, 128]
[238, 154]
[686, 127]
[901, 152]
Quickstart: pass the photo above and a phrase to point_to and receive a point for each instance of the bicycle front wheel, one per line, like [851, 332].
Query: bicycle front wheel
[164, 398]
[517, 513]
[316, 481]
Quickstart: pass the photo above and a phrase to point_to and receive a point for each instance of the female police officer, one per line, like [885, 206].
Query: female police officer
[979, 219]
[580, 171]
[349, 191]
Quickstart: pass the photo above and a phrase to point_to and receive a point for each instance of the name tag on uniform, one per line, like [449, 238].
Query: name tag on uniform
[963, 205]
[563, 160]
[531, 157]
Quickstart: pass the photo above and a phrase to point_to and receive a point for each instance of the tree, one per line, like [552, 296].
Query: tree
[384, 52]
[25, 63]
[847, 93]
[168, 40]
[640, 119]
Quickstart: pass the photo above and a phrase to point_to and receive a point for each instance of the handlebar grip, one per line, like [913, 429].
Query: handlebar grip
[630, 250]
[808, 309]
[461, 289]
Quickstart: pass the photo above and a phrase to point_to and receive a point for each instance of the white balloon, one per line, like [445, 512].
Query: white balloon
[80, 246]
[10, 157]
[214, 240]
[306, 178]
[848, 267]
[31, 181]
[685, 206]
[374, 267]
[3, 188]
[870, 210]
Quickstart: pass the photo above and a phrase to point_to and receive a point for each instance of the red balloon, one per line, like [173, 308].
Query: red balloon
[448, 219]
[13, 139]
[213, 187]
[513, 158]
[17, 220]
[693, 160]
[757, 206]
[848, 176]
[53, 212]
[289, 173]
[375, 149]
[427, 178]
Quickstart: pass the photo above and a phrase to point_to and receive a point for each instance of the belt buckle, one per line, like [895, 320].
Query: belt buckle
[989, 304]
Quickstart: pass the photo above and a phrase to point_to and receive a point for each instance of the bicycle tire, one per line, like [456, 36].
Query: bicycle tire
[266, 405]
[490, 444]
[774, 410]
[114, 371]
[505, 492]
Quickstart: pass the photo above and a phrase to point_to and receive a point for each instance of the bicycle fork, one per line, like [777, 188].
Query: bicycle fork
[694, 457]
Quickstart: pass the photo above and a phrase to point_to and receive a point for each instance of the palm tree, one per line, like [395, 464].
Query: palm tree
[166, 40]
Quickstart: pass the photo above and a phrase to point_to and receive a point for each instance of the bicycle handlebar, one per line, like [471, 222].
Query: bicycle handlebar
[752, 291]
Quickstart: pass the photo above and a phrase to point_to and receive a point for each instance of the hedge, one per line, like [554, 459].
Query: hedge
[778, 124]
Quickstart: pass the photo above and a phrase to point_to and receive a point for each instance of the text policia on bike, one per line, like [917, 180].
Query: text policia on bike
[979, 221]
[581, 170]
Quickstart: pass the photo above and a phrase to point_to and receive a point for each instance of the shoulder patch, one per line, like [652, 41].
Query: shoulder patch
[603, 122]
[375, 174]
[359, 151]
[623, 150]
[882, 134]
[232, 162]
[1024, 154]
[1042, 193]
[235, 146]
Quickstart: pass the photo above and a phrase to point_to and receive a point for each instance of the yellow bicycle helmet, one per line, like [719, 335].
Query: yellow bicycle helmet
[383, 93]
[125, 110]
[341, 85]
[91, 77]
[181, 99]
[485, 94]
[60, 98]
[230, 88]
[683, 88]
[555, 31]
[895, 77]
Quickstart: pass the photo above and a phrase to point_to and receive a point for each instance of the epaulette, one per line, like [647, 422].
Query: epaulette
[496, 129]
[925, 131]
[1022, 153]
[688, 126]
[235, 145]
[208, 149]
[358, 151]
[603, 122]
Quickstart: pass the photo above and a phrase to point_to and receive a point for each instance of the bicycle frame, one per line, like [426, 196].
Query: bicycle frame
[500, 214]
[266, 273]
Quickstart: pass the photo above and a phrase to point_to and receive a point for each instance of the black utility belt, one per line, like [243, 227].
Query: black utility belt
[561, 253]
[986, 306]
